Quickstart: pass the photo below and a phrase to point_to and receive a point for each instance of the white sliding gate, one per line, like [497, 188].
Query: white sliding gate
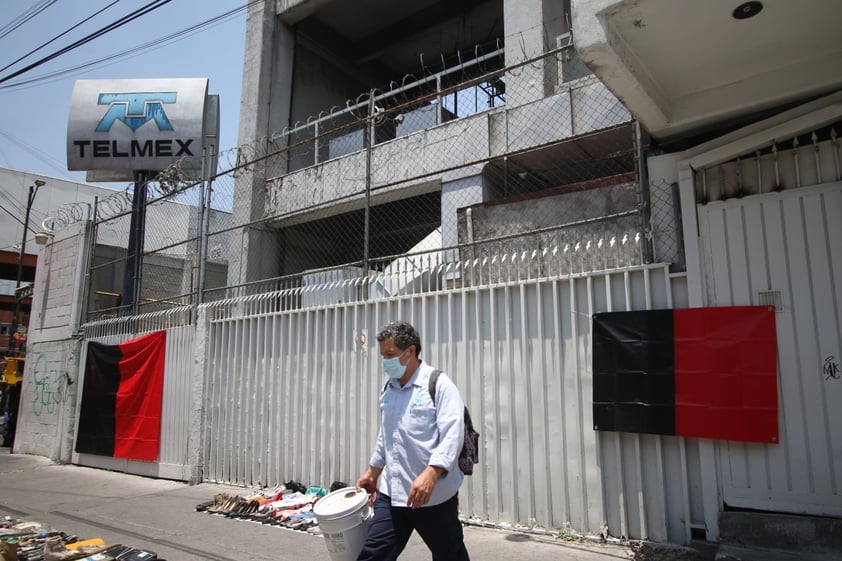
[785, 249]
[174, 451]
[293, 395]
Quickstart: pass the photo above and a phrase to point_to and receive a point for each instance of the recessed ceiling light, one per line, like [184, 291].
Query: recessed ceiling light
[747, 10]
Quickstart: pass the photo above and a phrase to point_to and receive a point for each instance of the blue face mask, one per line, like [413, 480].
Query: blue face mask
[393, 367]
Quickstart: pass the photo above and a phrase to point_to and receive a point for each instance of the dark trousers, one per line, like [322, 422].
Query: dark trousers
[391, 527]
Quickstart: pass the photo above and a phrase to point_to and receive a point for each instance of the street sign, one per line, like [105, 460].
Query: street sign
[23, 292]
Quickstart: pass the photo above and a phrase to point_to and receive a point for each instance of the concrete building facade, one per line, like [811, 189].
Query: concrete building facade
[499, 226]
[424, 148]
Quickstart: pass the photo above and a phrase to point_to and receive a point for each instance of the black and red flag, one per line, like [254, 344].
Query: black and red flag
[121, 400]
[696, 372]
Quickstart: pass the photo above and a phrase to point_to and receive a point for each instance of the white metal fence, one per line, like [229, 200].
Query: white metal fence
[782, 249]
[175, 441]
[293, 395]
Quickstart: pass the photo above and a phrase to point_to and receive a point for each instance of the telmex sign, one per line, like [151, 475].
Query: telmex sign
[137, 125]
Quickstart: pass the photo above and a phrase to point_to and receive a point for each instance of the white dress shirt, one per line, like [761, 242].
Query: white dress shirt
[415, 434]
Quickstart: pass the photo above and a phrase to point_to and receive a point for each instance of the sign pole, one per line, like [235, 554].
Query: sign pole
[130, 130]
[137, 231]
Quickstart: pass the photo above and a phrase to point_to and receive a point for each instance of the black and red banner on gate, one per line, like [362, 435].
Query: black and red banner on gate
[120, 414]
[695, 372]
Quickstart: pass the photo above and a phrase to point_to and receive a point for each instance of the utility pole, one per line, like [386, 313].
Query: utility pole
[33, 190]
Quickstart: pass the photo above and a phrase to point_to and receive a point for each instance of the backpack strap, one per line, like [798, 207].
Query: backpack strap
[431, 387]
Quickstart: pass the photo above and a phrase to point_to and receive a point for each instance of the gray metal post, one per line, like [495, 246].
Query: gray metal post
[134, 261]
[643, 195]
[369, 143]
[204, 222]
[33, 190]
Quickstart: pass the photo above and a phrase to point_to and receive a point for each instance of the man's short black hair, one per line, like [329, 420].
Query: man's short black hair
[403, 335]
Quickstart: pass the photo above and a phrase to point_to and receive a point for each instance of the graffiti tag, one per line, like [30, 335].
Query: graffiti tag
[50, 387]
[831, 368]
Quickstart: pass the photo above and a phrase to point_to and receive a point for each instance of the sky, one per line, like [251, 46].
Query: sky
[33, 117]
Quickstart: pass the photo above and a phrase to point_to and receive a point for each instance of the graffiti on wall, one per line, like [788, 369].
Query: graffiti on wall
[831, 368]
[50, 387]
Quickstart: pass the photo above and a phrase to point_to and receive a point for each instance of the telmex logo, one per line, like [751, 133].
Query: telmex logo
[135, 109]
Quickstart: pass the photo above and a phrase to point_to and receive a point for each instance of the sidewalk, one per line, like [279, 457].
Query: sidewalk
[158, 515]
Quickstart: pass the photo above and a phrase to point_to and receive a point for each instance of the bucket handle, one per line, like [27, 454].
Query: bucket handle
[367, 517]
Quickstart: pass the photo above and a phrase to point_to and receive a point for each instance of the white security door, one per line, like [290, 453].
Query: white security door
[785, 249]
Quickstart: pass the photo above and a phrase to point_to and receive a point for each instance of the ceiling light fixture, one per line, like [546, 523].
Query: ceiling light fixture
[747, 10]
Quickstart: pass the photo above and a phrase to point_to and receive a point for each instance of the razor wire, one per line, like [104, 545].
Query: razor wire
[244, 157]
[552, 201]
[166, 184]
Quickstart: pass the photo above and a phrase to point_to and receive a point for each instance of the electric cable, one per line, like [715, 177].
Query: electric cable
[35, 152]
[25, 17]
[133, 51]
[65, 32]
[11, 200]
[10, 213]
[154, 5]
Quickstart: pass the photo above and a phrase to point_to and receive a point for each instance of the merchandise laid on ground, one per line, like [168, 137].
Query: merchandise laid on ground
[22, 540]
[288, 506]
[341, 516]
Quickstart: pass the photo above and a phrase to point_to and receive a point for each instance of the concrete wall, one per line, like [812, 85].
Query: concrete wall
[267, 81]
[453, 146]
[289, 78]
[291, 11]
[46, 420]
[399, 160]
[501, 219]
[456, 195]
[162, 274]
[168, 223]
[531, 27]
[319, 84]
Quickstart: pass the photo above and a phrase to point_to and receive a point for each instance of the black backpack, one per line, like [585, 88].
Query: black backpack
[470, 449]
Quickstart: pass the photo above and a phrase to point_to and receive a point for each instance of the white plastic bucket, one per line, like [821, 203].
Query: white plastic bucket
[343, 517]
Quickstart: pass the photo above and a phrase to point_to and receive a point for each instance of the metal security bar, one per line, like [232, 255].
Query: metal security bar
[293, 395]
[489, 194]
[812, 158]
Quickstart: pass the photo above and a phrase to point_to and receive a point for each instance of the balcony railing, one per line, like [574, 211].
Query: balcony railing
[416, 104]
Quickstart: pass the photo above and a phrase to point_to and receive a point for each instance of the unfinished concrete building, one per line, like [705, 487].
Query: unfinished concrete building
[387, 129]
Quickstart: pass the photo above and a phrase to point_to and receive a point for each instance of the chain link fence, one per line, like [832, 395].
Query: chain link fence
[665, 228]
[437, 182]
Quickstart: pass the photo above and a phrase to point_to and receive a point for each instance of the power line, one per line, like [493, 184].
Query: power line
[14, 204]
[36, 216]
[154, 5]
[25, 17]
[68, 30]
[38, 154]
[133, 51]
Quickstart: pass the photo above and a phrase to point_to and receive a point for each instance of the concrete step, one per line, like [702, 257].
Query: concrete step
[760, 536]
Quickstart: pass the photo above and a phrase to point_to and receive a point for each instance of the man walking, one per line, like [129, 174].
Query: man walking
[417, 453]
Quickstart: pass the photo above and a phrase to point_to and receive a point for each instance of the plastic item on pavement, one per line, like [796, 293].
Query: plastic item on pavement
[343, 517]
